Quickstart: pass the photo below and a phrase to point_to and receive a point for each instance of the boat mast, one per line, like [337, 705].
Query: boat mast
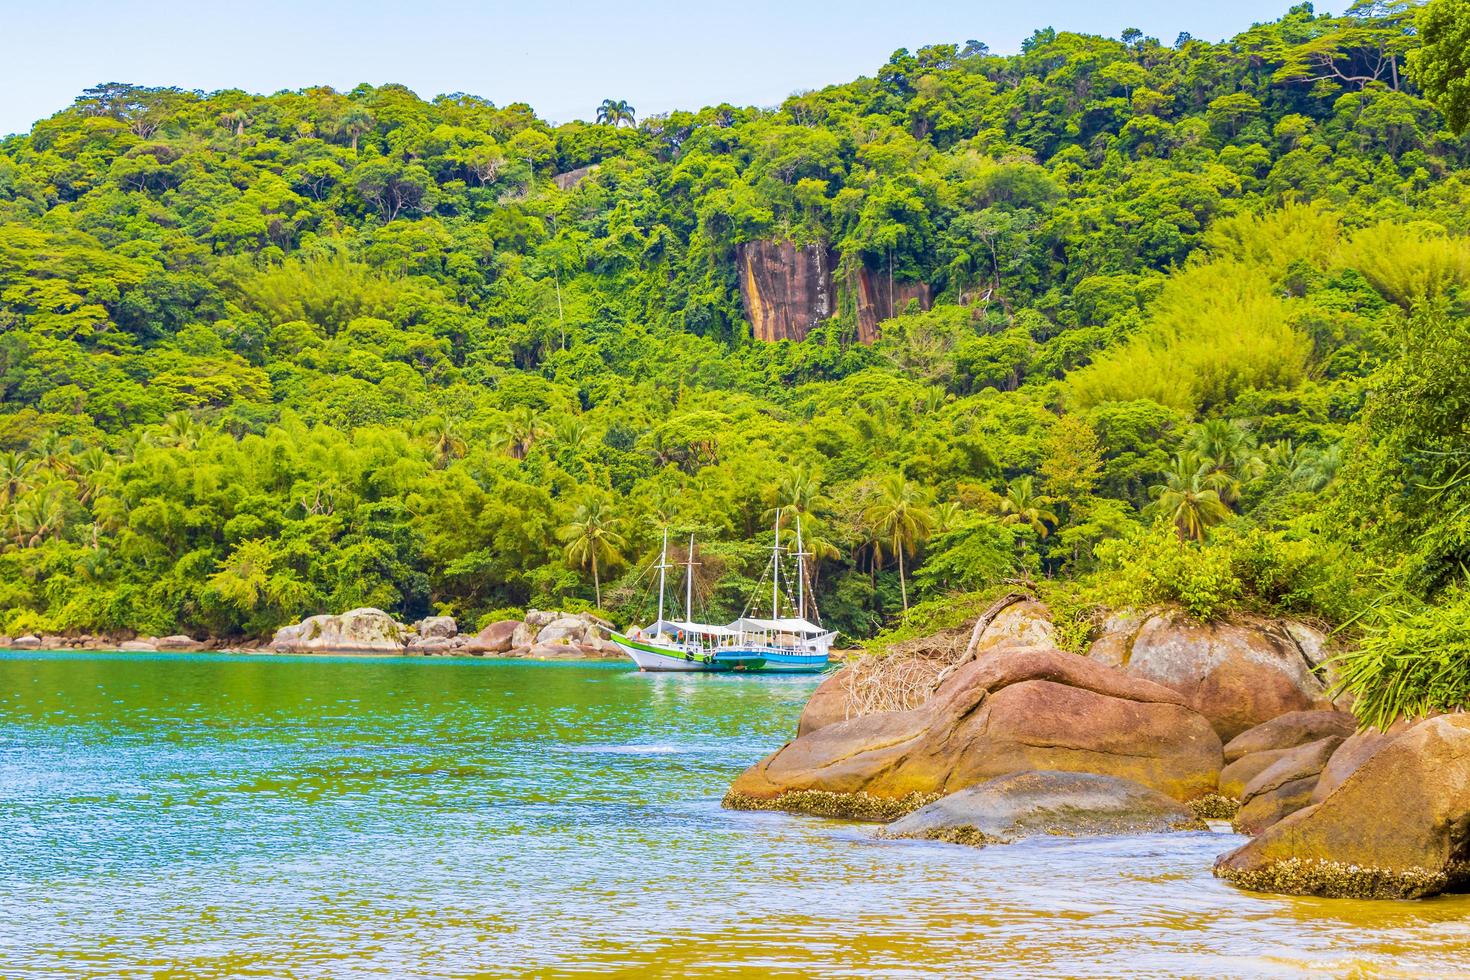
[663, 564]
[800, 574]
[776, 571]
[689, 583]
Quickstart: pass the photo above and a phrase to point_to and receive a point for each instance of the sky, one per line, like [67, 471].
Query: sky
[563, 57]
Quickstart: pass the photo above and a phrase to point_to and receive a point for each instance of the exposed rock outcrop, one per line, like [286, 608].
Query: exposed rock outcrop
[828, 703]
[1236, 674]
[358, 631]
[178, 643]
[788, 289]
[1397, 827]
[1031, 803]
[1013, 709]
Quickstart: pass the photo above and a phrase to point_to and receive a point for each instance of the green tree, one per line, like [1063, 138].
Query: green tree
[1441, 64]
[592, 539]
[899, 520]
[1186, 501]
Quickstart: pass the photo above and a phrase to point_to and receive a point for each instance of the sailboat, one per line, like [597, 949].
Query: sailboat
[792, 645]
[684, 645]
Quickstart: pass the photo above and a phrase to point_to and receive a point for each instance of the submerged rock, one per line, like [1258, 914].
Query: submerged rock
[1397, 827]
[1011, 710]
[1042, 802]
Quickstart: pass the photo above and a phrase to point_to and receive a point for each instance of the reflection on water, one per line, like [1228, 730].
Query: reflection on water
[188, 816]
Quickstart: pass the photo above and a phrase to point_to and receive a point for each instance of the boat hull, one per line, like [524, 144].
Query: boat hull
[656, 658]
[794, 663]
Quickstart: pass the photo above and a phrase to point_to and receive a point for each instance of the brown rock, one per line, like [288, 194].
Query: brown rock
[787, 290]
[1285, 786]
[179, 643]
[1396, 827]
[1237, 775]
[495, 638]
[27, 642]
[1236, 675]
[1011, 710]
[1354, 751]
[1288, 730]
[827, 705]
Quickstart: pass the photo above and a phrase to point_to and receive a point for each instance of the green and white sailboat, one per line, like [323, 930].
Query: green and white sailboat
[684, 645]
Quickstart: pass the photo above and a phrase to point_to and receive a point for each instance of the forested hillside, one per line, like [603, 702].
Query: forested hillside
[1198, 320]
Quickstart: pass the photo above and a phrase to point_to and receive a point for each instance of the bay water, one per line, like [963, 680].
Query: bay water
[202, 815]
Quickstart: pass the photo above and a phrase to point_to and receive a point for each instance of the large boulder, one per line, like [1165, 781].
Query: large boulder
[1021, 624]
[1285, 786]
[358, 631]
[140, 645]
[1237, 775]
[564, 629]
[827, 705]
[1043, 802]
[27, 642]
[437, 628]
[495, 638]
[1235, 674]
[1351, 754]
[1290, 730]
[1011, 710]
[1397, 827]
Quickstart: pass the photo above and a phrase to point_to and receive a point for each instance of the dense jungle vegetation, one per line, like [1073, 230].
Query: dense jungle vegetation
[1200, 335]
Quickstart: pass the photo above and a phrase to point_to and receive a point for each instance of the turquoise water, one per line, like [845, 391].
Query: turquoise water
[202, 816]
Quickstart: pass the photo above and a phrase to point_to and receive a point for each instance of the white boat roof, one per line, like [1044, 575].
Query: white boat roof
[680, 626]
[778, 625]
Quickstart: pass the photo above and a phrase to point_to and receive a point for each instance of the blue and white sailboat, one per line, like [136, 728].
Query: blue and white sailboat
[789, 645]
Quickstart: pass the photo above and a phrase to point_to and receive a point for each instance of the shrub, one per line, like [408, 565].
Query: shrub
[1410, 662]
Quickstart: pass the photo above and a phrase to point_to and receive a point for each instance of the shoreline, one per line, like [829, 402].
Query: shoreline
[259, 648]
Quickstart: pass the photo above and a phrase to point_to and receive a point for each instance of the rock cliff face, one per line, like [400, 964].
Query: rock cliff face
[788, 289]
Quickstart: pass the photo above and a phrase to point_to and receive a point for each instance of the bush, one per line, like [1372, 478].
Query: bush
[1410, 662]
[1263, 571]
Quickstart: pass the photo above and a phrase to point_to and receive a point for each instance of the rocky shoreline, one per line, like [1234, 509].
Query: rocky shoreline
[541, 635]
[1163, 723]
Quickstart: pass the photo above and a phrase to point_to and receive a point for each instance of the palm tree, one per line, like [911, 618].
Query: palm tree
[899, 519]
[1022, 505]
[615, 113]
[16, 469]
[1192, 506]
[354, 121]
[38, 515]
[521, 430]
[592, 538]
[235, 120]
[1228, 457]
[445, 443]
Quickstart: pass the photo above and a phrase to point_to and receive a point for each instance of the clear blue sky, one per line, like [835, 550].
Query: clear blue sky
[561, 57]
